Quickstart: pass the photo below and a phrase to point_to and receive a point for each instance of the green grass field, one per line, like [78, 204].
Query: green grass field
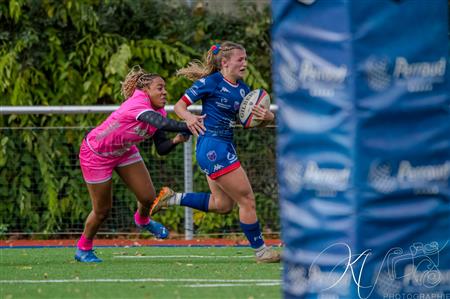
[138, 272]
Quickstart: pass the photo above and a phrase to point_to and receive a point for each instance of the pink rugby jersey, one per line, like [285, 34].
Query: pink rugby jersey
[121, 130]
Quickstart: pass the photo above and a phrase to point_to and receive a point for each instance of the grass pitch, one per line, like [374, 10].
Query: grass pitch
[138, 272]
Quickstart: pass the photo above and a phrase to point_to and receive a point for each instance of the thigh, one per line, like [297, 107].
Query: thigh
[236, 185]
[95, 169]
[138, 180]
[101, 196]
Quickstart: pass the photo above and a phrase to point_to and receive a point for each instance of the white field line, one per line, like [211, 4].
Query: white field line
[181, 256]
[191, 280]
[262, 284]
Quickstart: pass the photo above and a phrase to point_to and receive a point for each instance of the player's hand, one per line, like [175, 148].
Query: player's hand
[180, 138]
[261, 113]
[195, 124]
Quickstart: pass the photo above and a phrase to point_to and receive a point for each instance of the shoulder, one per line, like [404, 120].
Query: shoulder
[213, 79]
[206, 84]
[138, 98]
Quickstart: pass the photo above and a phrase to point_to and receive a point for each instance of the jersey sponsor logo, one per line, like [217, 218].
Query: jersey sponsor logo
[217, 167]
[222, 103]
[242, 92]
[141, 132]
[225, 90]
[111, 128]
[211, 155]
[231, 157]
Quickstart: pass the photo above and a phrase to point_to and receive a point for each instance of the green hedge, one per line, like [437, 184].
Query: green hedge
[76, 53]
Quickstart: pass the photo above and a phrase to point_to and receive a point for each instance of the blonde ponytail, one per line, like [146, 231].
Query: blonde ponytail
[211, 61]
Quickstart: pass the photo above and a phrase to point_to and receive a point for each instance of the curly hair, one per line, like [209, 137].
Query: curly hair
[136, 78]
[211, 63]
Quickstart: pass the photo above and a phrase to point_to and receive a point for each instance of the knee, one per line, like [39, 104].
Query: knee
[102, 214]
[248, 202]
[221, 205]
[225, 209]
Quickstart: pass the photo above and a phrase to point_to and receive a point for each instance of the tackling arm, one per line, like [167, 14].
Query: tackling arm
[161, 123]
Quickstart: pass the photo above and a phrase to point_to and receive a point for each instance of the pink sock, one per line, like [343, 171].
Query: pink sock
[141, 220]
[85, 243]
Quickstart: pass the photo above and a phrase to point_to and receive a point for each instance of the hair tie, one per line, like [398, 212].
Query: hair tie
[215, 49]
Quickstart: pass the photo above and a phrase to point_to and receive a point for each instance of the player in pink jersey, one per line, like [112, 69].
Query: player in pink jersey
[112, 146]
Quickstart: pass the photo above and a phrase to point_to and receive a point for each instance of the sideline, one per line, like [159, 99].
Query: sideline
[5, 244]
[188, 282]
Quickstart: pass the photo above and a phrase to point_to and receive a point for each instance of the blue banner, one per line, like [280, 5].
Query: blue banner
[363, 147]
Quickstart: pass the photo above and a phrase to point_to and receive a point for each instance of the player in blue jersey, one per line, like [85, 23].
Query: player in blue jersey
[219, 86]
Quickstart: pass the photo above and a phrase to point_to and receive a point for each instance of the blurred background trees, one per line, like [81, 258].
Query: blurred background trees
[77, 52]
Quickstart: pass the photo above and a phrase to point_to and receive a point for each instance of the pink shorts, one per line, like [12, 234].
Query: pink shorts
[97, 169]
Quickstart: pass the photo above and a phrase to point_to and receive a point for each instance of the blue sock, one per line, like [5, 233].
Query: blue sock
[253, 234]
[198, 201]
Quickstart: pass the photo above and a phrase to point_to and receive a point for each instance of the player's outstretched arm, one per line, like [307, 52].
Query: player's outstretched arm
[157, 120]
[165, 145]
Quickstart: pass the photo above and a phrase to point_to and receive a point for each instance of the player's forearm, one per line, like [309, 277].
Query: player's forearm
[181, 110]
[163, 144]
[157, 120]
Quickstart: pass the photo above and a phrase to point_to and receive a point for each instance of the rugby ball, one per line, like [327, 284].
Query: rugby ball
[255, 97]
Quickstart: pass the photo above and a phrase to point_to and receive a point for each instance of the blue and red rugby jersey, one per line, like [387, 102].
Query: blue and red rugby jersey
[221, 100]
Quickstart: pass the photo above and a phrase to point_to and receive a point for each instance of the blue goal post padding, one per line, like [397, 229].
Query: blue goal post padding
[363, 147]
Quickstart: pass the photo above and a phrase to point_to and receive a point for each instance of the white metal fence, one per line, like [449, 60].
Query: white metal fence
[260, 167]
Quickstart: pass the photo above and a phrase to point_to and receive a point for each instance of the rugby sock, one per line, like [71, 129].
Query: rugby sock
[198, 201]
[85, 243]
[253, 233]
[141, 220]
[175, 199]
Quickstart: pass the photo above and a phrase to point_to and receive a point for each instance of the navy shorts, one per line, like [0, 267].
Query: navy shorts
[216, 157]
